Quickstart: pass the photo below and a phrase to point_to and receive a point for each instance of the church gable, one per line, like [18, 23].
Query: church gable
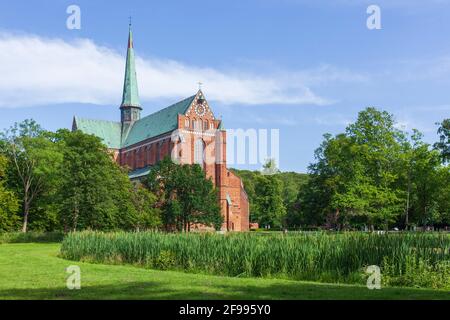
[200, 108]
[199, 116]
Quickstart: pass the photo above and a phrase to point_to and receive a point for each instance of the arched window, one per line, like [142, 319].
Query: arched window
[136, 159]
[186, 123]
[125, 159]
[158, 151]
[198, 152]
[130, 159]
[151, 154]
[205, 125]
[211, 125]
[193, 124]
[145, 156]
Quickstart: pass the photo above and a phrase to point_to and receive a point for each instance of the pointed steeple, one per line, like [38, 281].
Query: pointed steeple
[130, 99]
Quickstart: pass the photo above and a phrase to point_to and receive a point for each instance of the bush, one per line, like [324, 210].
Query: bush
[20, 237]
[418, 273]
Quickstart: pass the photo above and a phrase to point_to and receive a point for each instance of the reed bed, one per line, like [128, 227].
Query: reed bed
[329, 257]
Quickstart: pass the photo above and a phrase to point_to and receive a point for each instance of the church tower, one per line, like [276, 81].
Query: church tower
[130, 108]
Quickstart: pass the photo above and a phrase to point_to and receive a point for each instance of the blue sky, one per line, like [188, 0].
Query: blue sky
[301, 66]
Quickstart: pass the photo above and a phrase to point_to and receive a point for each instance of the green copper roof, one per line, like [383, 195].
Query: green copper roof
[138, 173]
[130, 97]
[108, 131]
[160, 122]
[153, 125]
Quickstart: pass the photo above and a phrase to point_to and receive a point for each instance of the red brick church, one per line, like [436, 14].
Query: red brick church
[187, 131]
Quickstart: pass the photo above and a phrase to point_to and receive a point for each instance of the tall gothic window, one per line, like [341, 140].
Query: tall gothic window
[130, 159]
[158, 151]
[145, 156]
[198, 152]
[186, 123]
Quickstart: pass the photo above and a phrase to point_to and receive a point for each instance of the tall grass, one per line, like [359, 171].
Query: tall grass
[306, 256]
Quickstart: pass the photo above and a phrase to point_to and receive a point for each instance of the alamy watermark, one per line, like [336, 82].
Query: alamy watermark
[235, 146]
[374, 20]
[252, 146]
[73, 281]
[73, 22]
[374, 279]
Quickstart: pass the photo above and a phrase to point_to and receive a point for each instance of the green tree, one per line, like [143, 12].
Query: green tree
[35, 159]
[270, 209]
[378, 149]
[354, 180]
[313, 204]
[374, 174]
[95, 193]
[9, 204]
[147, 215]
[422, 182]
[444, 140]
[267, 206]
[442, 196]
[185, 195]
[270, 167]
[292, 182]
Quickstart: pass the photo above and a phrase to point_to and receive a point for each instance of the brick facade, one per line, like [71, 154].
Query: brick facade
[192, 128]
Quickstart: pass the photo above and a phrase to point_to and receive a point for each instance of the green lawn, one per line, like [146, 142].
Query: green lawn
[34, 271]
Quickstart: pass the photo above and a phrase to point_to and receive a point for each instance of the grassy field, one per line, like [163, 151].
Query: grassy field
[34, 271]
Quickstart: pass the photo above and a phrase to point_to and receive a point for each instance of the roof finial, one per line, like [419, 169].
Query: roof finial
[130, 21]
[130, 36]
[200, 85]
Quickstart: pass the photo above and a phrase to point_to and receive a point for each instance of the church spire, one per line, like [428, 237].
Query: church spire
[130, 106]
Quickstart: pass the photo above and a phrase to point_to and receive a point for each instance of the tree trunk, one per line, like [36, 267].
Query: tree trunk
[75, 219]
[407, 204]
[26, 210]
[336, 219]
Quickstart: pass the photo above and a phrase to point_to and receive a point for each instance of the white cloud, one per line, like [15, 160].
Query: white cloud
[40, 71]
